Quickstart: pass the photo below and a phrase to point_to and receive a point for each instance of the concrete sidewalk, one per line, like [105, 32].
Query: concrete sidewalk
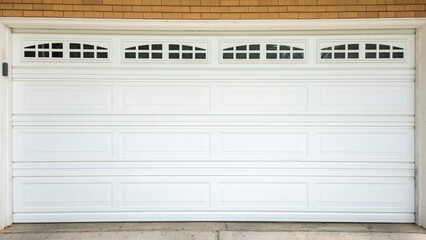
[213, 231]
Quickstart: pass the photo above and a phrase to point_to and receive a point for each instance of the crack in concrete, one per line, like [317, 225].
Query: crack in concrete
[121, 226]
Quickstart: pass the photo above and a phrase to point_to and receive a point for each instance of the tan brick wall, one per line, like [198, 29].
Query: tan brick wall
[214, 9]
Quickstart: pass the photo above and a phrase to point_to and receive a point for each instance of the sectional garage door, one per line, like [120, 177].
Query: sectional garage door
[213, 127]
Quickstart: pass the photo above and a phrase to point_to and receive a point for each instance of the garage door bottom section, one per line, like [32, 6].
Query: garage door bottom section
[303, 178]
[199, 198]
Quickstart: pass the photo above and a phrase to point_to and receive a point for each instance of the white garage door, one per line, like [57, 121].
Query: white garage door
[213, 127]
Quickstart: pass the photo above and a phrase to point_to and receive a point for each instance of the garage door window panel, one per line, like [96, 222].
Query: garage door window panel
[65, 51]
[383, 51]
[175, 52]
[232, 52]
[361, 51]
[44, 50]
[85, 51]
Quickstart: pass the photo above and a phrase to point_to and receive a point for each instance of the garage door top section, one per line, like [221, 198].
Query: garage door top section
[193, 74]
[215, 52]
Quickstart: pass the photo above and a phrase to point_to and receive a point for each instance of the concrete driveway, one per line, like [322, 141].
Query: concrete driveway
[213, 231]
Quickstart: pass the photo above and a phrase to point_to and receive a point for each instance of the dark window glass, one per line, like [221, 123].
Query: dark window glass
[371, 46]
[87, 46]
[186, 55]
[228, 49]
[370, 55]
[397, 48]
[43, 46]
[173, 47]
[328, 48]
[284, 48]
[398, 55]
[143, 55]
[326, 55]
[157, 47]
[199, 49]
[43, 54]
[143, 47]
[187, 48]
[297, 49]
[384, 47]
[130, 55]
[284, 55]
[174, 55]
[88, 55]
[254, 55]
[340, 47]
[30, 47]
[271, 47]
[200, 56]
[75, 54]
[102, 55]
[271, 56]
[298, 55]
[241, 55]
[353, 46]
[156, 55]
[29, 54]
[384, 55]
[254, 47]
[57, 54]
[57, 46]
[131, 48]
[75, 45]
[100, 48]
[228, 56]
[353, 55]
[339, 55]
[241, 48]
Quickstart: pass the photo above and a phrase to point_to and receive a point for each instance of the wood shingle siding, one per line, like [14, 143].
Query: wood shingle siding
[214, 9]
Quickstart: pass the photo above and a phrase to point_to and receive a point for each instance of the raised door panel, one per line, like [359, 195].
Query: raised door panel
[160, 195]
[46, 144]
[165, 145]
[62, 145]
[365, 196]
[213, 98]
[43, 196]
[367, 98]
[61, 98]
[263, 99]
[279, 144]
[164, 99]
[263, 196]
[372, 145]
